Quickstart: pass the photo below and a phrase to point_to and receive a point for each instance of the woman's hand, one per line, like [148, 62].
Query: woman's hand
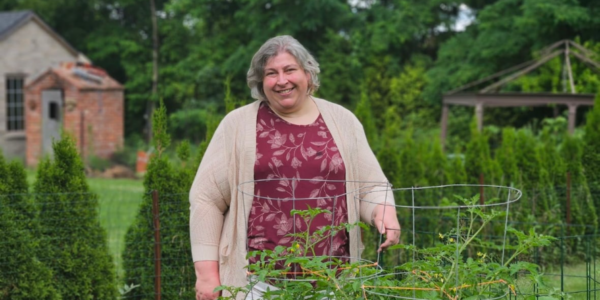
[207, 279]
[386, 221]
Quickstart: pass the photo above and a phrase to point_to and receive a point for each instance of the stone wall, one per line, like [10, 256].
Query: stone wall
[28, 51]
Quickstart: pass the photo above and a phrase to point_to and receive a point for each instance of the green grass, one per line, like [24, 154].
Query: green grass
[119, 201]
[574, 281]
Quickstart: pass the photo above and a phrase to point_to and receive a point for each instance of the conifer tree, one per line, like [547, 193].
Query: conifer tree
[172, 183]
[456, 173]
[506, 157]
[388, 154]
[364, 113]
[22, 274]
[477, 157]
[528, 163]
[77, 250]
[591, 153]
[552, 174]
[583, 209]
[436, 163]
[412, 170]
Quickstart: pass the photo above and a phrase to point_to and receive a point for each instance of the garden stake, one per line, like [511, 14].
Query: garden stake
[156, 245]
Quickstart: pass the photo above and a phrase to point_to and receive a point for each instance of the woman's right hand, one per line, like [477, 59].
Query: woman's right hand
[207, 279]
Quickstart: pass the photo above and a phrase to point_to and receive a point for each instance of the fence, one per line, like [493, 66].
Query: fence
[147, 236]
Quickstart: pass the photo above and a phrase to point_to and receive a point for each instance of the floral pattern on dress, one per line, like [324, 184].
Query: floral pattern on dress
[296, 166]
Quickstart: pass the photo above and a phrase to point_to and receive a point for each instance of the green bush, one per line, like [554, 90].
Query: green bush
[22, 274]
[76, 249]
[172, 183]
[591, 155]
[98, 163]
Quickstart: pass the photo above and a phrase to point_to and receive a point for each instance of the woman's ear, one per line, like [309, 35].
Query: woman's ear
[309, 80]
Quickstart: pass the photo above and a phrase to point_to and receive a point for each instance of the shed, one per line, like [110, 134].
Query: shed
[79, 99]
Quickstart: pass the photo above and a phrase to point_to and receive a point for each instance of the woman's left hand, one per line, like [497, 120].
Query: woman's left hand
[386, 221]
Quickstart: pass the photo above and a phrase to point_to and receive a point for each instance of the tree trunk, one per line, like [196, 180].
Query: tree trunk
[151, 102]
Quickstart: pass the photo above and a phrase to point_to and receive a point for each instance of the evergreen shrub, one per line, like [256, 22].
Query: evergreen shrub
[76, 249]
[172, 182]
[22, 274]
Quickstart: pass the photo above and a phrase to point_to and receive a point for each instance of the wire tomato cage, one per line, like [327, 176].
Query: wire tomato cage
[435, 217]
[452, 236]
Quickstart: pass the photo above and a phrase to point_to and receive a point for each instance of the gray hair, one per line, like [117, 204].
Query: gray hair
[271, 48]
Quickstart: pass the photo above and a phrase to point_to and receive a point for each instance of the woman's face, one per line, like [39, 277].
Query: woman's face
[285, 83]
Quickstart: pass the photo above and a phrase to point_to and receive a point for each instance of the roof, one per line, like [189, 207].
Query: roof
[81, 76]
[10, 21]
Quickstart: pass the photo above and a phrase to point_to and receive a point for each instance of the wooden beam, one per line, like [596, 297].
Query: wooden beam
[444, 123]
[569, 70]
[506, 71]
[587, 60]
[572, 118]
[540, 62]
[552, 47]
[474, 83]
[519, 99]
[479, 115]
[583, 49]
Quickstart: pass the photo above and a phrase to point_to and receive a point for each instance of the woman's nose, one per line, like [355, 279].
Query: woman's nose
[281, 79]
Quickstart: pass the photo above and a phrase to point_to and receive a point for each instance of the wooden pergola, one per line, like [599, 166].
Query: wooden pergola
[490, 96]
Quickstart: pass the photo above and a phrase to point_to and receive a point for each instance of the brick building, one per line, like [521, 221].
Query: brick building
[33, 52]
[79, 99]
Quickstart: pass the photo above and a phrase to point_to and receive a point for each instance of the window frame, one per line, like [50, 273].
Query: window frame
[15, 102]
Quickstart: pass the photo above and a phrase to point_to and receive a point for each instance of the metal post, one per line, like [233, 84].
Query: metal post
[156, 221]
[588, 269]
[562, 259]
[568, 208]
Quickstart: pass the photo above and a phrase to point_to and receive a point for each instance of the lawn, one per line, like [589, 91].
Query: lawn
[119, 201]
[574, 281]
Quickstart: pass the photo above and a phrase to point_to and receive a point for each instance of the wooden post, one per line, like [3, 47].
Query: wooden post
[572, 117]
[569, 70]
[479, 115]
[568, 207]
[444, 121]
[481, 201]
[82, 136]
[156, 221]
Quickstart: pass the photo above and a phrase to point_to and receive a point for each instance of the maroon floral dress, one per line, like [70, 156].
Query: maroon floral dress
[296, 166]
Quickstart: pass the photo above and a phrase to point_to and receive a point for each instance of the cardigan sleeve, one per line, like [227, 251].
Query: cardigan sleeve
[373, 185]
[209, 198]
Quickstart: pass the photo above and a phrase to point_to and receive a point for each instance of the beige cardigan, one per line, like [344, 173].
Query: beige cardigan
[219, 210]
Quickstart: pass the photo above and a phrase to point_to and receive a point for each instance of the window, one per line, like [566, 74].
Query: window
[15, 117]
[53, 111]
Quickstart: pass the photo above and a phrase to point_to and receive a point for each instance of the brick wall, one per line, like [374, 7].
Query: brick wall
[95, 118]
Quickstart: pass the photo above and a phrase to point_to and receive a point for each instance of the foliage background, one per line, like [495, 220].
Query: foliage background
[389, 61]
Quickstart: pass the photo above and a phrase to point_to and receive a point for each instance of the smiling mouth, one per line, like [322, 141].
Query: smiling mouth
[285, 91]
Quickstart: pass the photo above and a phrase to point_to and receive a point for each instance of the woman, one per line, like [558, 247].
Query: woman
[287, 133]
